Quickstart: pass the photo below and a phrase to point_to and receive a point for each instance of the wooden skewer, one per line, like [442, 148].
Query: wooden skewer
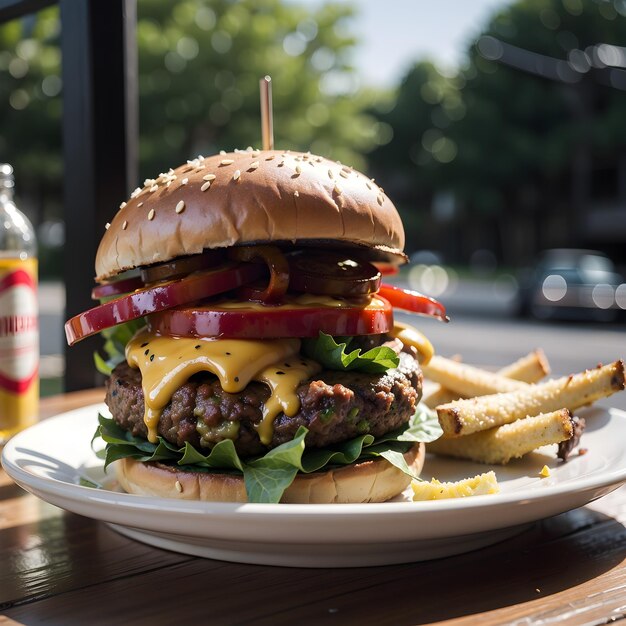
[267, 122]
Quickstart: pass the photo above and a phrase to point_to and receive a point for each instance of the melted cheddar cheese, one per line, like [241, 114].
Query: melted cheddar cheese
[166, 363]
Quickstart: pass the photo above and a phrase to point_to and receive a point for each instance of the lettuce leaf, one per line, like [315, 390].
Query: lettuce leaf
[115, 340]
[332, 355]
[266, 477]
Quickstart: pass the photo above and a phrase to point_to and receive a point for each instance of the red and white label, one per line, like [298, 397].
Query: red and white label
[19, 331]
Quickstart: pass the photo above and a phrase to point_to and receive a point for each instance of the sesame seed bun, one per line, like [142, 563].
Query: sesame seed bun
[368, 481]
[250, 197]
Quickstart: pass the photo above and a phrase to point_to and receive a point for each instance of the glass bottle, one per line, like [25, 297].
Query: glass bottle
[19, 324]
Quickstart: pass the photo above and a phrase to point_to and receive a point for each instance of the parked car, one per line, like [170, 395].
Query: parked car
[573, 284]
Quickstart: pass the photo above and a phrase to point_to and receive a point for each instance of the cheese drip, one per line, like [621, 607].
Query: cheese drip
[166, 363]
[410, 336]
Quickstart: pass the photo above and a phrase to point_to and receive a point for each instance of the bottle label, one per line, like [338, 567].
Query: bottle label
[19, 343]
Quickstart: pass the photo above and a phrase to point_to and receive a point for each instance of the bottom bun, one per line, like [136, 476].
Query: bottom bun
[368, 481]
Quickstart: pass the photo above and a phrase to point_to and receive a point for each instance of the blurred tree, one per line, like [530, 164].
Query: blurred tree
[30, 135]
[30, 85]
[200, 62]
[200, 65]
[506, 152]
[541, 108]
[426, 100]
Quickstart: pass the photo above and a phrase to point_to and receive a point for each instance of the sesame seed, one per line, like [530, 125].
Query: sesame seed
[122, 205]
[249, 149]
[227, 162]
[281, 164]
[296, 194]
[149, 182]
[154, 188]
[140, 204]
[169, 182]
[222, 151]
[179, 487]
[107, 226]
[209, 177]
[298, 170]
[254, 165]
[380, 200]
[343, 174]
[205, 186]
[136, 192]
[338, 190]
[184, 181]
[330, 174]
[180, 207]
[271, 157]
[254, 154]
[368, 185]
[237, 175]
[124, 225]
[319, 159]
[151, 214]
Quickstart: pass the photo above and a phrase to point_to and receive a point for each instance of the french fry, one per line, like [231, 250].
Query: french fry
[464, 417]
[481, 485]
[467, 380]
[529, 369]
[501, 444]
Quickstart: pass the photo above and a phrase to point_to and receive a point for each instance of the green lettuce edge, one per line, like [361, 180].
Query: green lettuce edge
[267, 477]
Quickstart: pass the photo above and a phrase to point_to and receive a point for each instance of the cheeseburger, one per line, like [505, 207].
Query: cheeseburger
[252, 350]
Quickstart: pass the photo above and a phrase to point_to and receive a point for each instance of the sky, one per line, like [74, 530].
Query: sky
[395, 33]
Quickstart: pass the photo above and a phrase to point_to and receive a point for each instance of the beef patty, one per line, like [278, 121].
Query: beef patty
[334, 406]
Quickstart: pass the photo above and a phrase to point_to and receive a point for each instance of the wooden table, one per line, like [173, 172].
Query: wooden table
[61, 568]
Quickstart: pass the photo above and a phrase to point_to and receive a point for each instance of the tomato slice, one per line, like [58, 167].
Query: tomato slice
[159, 297]
[117, 288]
[331, 273]
[271, 322]
[182, 266]
[414, 302]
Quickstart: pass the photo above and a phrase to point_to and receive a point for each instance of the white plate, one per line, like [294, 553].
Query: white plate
[50, 458]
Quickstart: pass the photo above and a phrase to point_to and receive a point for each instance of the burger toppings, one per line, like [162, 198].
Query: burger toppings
[300, 316]
[256, 323]
[166, 363]
[182, 266]
[277, 266]
[158, 297]
[332, 274]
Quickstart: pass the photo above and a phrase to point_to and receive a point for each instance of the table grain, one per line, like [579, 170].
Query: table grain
[60, 568]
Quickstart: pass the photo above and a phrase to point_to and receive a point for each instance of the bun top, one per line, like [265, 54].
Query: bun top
[250, 196]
